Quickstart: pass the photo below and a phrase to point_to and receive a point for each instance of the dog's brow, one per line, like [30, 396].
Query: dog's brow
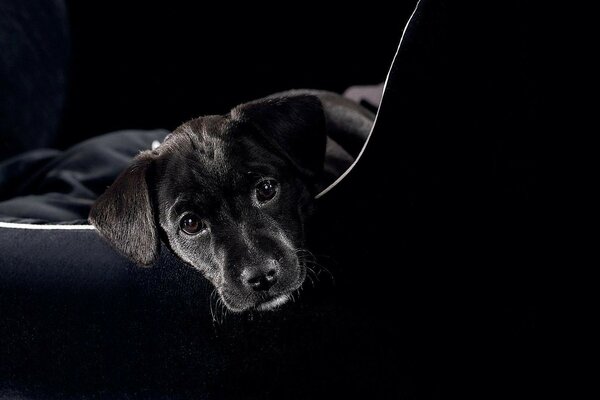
[179, 200]
[260, 168]
[172, 206]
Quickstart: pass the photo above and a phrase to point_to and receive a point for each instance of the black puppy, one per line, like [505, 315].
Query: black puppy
[230, 194]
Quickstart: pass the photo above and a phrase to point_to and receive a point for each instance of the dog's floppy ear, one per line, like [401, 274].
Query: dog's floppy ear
[294, 125]
[124, 213]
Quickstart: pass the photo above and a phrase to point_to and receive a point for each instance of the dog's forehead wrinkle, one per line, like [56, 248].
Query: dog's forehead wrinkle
[205, 135]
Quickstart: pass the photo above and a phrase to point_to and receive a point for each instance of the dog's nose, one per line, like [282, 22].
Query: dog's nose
[260, 279]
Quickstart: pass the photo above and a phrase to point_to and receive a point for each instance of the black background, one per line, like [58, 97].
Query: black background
[156, 65]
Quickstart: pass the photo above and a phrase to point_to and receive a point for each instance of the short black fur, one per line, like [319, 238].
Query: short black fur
[209, 169]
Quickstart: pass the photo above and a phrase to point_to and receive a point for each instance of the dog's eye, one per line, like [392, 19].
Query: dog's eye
[266, 190]
[192, 225]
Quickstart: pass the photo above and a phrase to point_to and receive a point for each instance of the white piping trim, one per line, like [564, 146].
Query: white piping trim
[49, 227]
[338, 180]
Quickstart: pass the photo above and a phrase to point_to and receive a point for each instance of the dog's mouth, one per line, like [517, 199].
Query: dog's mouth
[273, 302]
[267, 301]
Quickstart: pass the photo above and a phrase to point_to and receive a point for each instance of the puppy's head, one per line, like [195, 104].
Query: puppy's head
[229, 195]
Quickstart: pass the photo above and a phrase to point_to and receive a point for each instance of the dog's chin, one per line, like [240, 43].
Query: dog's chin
[266, 302]
[274, 303]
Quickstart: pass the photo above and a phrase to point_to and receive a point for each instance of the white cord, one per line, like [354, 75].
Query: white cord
[338, 180]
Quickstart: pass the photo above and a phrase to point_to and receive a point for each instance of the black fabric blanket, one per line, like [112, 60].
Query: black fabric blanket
[60, 186]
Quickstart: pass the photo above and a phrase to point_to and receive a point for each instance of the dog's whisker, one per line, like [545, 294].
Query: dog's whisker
[224, 312]
[306, 254]
[217, 309]
[310, 274]
[314, 269]
[317, 269]
[210, 304]
[221, 310]
[328, 272]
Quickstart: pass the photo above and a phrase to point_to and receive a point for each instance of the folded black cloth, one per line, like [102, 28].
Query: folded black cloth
[60, 186]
